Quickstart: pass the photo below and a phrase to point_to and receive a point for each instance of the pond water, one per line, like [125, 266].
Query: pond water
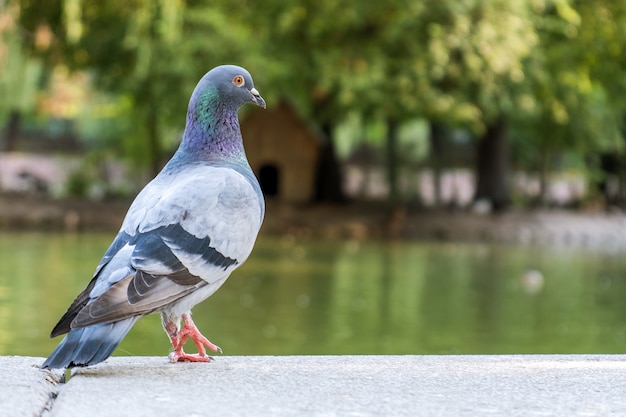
[320, 297]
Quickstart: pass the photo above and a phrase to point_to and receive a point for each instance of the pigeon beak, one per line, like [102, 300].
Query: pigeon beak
[256, 97]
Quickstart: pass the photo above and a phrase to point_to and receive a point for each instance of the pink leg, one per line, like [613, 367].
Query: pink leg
[180, 337]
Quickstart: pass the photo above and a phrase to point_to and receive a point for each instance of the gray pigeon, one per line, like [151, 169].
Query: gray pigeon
[186, 231]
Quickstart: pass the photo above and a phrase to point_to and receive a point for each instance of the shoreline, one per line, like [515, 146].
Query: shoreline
[351, 221]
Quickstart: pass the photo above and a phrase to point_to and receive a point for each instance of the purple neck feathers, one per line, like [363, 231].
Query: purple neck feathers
[212, 130]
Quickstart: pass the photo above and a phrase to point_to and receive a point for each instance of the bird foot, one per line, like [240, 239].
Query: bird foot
[180, 356]
[179, 338]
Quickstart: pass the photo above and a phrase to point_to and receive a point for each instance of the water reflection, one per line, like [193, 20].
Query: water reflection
[347, 297]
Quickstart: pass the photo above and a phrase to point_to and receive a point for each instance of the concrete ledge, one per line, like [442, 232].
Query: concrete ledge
[26, 390]
[507, 385]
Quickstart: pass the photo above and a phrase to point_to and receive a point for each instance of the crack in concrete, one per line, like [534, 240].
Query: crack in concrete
[56, 381]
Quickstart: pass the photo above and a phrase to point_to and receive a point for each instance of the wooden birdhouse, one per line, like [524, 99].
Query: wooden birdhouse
[282, 151]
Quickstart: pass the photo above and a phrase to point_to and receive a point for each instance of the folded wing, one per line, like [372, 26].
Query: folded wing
[180, 234]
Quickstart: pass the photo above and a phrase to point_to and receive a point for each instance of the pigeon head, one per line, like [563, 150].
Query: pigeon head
[230, 85]
[212, 123]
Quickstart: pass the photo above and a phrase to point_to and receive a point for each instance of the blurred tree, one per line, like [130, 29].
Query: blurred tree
[602, 40]
[151, 51]
[457, 64]
[578, 91]
[19, 81]
[474, 76]
[302, 42]
[454, 63]
[540, 74]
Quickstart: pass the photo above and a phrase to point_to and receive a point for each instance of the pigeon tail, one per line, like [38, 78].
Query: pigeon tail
[89, 345]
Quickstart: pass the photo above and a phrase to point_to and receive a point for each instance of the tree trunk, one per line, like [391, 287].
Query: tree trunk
[543, 178]
[611, 169]
[12, 131]
[392, 160]
[492, 166]
[436, 139]
[328, 177]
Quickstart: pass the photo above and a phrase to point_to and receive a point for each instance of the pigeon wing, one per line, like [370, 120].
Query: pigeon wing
[63, 326]
[184, 234]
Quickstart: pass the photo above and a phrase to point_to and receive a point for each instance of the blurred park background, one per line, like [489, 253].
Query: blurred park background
[435, 103]
[441, 176]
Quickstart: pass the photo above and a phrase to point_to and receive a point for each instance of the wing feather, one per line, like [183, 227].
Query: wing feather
[180, 234]
[123, 300]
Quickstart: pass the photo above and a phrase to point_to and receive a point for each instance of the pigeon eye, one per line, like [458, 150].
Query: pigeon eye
[239, 81]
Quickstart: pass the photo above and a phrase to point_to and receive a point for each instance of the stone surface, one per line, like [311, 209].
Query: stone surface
[25, 390]
[507, 385]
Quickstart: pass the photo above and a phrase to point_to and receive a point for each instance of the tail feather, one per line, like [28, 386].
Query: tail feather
[89, 345]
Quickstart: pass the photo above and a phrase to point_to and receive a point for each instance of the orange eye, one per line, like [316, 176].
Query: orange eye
[239, 81]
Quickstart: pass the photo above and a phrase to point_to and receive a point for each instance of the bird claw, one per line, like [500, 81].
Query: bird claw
[189, 331]
[185, 357]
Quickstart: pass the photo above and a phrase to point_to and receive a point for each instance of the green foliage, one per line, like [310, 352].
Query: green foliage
[21, 74]
[554, 68]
